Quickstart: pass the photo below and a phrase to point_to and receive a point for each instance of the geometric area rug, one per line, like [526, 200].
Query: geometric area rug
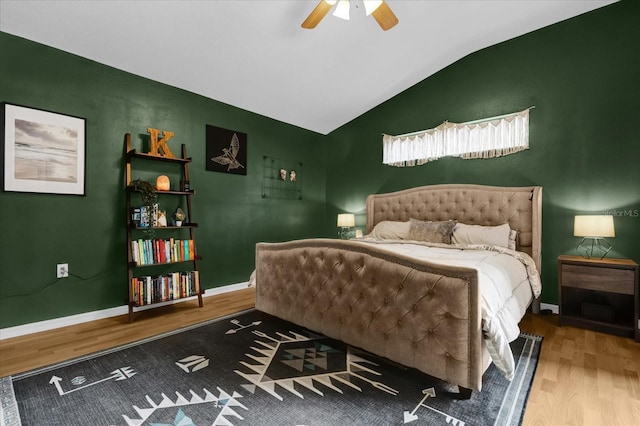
[252, 369]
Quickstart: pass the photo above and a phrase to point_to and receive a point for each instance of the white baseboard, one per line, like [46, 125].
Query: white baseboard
[552, 308]
[35, 327]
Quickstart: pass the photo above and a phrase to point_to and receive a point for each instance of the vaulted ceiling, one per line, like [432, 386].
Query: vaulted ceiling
[254, 54]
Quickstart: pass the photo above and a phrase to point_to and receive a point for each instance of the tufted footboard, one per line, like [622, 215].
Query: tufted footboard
[412, 312]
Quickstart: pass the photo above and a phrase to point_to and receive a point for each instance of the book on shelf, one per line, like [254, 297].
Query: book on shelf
[155, 251]
[149, 289]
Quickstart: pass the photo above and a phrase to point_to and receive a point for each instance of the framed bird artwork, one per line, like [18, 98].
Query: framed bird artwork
[226, 151]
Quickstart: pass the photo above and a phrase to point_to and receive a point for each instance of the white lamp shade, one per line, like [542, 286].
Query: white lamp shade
[346, 220]
[370, 6]
[342, 10]
[597, 226]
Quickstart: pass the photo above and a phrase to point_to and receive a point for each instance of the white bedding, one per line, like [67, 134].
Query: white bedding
[508, 283]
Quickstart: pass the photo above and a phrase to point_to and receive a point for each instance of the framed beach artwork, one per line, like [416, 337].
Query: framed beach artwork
[43, 151]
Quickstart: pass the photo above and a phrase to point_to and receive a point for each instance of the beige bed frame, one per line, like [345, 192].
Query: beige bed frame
[418, 314]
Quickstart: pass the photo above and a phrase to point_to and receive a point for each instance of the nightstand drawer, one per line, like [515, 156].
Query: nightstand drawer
[612, 280]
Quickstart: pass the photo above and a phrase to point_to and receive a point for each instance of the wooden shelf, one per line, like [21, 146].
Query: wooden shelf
[164, 302]
[160, 289]
[135, 265]
[169, 227]
[135, 154]
[133, 189]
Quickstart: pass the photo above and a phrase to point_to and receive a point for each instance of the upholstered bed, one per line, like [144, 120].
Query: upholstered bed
[391, 297]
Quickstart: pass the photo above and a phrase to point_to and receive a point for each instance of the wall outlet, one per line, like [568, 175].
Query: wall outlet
[62, 270]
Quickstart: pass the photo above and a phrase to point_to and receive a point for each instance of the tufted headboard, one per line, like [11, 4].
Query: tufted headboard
[520, 207]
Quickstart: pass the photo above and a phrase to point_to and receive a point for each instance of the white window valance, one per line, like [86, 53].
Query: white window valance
[486, 138]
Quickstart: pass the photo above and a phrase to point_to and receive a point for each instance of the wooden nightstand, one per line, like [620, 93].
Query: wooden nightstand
[601, 295]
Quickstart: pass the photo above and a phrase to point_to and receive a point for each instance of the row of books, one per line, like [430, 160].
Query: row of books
[149, 252]
[177, 285]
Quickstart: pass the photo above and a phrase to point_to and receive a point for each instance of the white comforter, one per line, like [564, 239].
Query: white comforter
[508, 282]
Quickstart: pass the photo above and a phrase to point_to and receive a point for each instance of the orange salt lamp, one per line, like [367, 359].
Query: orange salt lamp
[162, 183]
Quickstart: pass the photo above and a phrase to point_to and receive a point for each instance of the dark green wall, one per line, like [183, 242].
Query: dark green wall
[582, 75]
[41, 230]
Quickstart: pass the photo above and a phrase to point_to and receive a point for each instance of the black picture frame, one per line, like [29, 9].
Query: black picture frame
[226, 151]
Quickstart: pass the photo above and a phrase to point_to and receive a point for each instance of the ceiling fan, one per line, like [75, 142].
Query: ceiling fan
[378, 8]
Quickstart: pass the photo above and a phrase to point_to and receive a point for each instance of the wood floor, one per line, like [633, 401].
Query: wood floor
[583, 377]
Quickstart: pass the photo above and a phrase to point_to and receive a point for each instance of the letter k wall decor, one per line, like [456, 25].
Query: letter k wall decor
[226, 151]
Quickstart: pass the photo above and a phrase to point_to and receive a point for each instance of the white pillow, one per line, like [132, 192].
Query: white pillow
[478, 234]
[390, 230]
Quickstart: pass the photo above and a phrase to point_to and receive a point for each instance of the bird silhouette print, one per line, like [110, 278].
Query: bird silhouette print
[229, 156]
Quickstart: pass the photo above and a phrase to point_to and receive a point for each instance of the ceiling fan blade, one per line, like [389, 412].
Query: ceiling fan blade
[385, 16]
[317, 14]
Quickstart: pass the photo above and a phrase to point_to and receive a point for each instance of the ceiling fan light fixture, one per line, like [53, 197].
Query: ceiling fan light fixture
[342, 10]
[370, 6]
[379, 9]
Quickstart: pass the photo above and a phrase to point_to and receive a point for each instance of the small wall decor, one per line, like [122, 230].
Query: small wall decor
[44, 151]
[281, 179]
[226, 151]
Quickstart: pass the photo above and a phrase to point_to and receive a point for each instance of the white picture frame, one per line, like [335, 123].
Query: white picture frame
[43, 151]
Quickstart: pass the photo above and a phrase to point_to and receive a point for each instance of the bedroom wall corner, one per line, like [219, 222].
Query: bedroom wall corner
[581, 74]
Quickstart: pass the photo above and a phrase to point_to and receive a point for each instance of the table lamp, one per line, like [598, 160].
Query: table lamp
[594, 229]
[346, 221]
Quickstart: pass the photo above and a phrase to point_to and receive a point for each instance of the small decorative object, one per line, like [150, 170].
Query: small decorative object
[346, 221]
[358, 233]
[292, 176]
[43, 151]
[185, 186]
[179, 216]
[162, 219]
[159, 148]
[163, 183]
[149, 201]
[149, 218]
[148, 191]
[226, 151]
[595, 228]
[283, 174]
[135, 216]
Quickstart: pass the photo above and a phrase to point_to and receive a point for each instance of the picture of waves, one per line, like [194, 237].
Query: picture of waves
[45, 152]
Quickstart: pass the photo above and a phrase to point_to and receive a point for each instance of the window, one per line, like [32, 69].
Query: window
[486, 138]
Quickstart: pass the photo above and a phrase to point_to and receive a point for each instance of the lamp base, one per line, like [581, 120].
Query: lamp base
[598, 245]
[346, 233]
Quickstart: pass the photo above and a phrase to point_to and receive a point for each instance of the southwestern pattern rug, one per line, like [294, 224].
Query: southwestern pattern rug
[255, 369]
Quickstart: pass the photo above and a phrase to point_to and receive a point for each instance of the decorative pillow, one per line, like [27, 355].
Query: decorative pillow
[512, 239]
[432, 232]
[478, 234]
[390, 230]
